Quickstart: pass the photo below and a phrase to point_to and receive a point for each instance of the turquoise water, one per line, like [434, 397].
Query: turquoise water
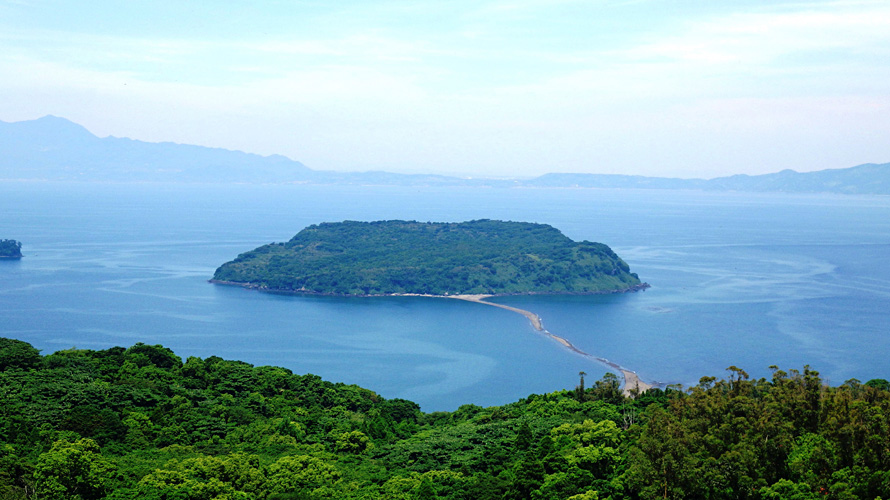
[737, 279]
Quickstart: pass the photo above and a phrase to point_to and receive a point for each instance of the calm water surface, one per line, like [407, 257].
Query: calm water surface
[737, 279]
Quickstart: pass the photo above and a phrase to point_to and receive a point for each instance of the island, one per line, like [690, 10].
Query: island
[10, 249]
[395, 257]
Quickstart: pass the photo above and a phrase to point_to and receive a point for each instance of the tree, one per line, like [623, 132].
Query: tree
[787, 490]
[608, 389]
[73, 470]
[10, 249]
[298, 473]
[879, 383]
[18, 355]
[579, 391]
[355, 442]
[528, 474]
[813, 459]
[235, 476]
[661, 463]
[158, 355]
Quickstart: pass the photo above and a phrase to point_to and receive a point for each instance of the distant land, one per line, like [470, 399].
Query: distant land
[53, 148]
[407, 257]
[10, 249]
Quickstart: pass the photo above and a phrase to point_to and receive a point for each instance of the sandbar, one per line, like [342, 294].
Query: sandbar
[632, 383]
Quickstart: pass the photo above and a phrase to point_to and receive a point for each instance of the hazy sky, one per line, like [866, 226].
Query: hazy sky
[481, 87]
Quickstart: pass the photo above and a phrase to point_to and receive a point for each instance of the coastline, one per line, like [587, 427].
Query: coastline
[263, 288]
[632, 383]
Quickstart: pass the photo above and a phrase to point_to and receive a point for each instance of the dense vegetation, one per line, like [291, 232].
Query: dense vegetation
[138, 423]
[387, 257]
[10, 249]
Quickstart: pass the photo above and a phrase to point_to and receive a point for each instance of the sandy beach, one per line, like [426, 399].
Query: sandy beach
[632, 382]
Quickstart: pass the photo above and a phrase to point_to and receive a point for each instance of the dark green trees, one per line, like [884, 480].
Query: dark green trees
[15, 354]
[73, 470]
[390, 257]
[10, 249]
[141, 423]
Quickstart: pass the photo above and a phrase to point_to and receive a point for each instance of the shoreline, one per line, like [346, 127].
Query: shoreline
[262, 288]
[632, 382]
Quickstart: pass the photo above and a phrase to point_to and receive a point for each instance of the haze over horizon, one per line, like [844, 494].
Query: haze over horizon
[491, 88]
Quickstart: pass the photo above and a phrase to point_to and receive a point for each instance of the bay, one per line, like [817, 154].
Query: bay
[741, 279]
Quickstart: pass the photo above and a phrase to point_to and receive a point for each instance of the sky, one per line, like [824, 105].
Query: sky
[481, 88]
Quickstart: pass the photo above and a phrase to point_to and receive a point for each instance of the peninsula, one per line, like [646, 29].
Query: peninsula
[10, 249]
[407, 257]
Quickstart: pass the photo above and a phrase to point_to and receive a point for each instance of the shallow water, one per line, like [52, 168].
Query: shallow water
[737, 279]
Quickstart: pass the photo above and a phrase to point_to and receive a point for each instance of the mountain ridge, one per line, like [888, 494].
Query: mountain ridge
[868, 178]
[55, 148]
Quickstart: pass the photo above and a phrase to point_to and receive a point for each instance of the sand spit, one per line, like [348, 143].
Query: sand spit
[632, 382]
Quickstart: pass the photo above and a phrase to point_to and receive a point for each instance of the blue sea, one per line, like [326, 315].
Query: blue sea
[743, 279]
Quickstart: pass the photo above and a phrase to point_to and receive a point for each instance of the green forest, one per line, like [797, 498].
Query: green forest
[10, 249]
[141, 423]
[391, 257]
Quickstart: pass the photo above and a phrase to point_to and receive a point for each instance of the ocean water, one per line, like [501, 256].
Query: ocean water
[741, 279]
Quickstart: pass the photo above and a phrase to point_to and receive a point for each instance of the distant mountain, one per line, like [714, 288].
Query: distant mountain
[863, 179]
[54, 148]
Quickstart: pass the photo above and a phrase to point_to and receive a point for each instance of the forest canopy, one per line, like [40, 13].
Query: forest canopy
[393, 257]
[141, 423]
[10, 249]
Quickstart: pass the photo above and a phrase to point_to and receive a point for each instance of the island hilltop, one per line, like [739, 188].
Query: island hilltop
[10, 249]
[406, 257]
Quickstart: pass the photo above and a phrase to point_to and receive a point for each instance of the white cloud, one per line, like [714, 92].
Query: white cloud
[764, 37]
[383, 99]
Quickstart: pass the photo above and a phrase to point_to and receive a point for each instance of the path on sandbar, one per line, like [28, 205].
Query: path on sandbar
[631, 380]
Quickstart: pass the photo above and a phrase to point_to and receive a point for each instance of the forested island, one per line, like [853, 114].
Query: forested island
[10, 249]
[408, 257]
[139, 423]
